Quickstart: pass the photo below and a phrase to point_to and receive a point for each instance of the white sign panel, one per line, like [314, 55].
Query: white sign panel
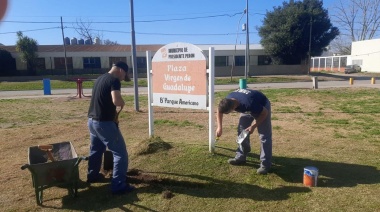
[179, 77]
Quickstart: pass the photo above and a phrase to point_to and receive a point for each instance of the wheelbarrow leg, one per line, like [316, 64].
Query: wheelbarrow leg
[39, 196]
[73, 189]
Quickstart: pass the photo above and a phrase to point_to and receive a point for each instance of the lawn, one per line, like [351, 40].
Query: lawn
[335, 130]
[71, 84]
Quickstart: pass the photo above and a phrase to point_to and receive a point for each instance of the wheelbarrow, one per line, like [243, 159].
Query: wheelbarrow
[53, 165]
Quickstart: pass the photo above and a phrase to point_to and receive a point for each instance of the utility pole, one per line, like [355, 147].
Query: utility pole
[134, 60]
[64, 48]
[247, 45]
[310, 33]
[309, 59]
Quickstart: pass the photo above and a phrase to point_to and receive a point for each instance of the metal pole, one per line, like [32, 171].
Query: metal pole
[211, 114]
[64, 48]
[150, 93]
[134, 61]
[247, 46]
[308, 64]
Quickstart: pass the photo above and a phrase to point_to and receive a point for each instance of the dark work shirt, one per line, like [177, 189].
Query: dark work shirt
[250, 101]
[101, 106]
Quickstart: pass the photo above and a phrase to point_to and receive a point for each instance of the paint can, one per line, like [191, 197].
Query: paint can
[310, 176]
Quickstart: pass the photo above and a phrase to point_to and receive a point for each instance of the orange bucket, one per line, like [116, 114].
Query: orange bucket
[310, 176]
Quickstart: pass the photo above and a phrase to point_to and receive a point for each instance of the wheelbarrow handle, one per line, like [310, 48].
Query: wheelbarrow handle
[80, 159]
[24, 166]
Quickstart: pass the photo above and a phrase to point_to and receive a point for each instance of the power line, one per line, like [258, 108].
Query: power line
[30, 30]
[126, 22]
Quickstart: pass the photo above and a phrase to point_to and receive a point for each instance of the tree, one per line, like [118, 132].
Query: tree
[341, 45]
[7, 63]
[360, 19]
[83, 28]
[28, 48]
[109, 42]
[289, 30]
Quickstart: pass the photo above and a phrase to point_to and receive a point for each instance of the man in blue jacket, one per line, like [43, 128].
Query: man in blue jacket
[255, 111]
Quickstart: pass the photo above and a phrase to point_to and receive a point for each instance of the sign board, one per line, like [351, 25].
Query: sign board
[179, 77]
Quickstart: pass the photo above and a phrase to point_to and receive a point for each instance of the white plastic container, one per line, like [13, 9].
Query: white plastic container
[242, 136]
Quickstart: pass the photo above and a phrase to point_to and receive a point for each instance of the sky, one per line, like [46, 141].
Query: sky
[155, 21]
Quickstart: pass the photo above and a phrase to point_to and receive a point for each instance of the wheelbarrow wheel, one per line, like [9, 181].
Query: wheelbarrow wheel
[39, 196]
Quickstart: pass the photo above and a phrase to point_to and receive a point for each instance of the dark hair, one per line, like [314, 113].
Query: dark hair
[226, 105]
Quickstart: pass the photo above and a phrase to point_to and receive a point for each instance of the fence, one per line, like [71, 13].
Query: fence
[331, 63]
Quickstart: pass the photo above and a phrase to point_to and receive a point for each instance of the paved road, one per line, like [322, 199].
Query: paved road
[365, 82]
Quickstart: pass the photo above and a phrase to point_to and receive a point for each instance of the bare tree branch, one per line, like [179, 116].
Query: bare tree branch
[358, 18]
[83, 28]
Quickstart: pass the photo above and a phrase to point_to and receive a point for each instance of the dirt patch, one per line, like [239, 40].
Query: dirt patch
[167, 194]
[151, 145]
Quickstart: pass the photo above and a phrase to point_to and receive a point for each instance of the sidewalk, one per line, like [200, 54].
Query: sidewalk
[55, 93]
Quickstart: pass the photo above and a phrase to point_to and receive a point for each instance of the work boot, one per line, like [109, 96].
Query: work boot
[99, 179]
[128, 188]
[262, 170]
[236, 162]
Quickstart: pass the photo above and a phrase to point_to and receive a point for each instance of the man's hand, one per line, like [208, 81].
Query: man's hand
[219, 132]
[116, 119]
[251, 128]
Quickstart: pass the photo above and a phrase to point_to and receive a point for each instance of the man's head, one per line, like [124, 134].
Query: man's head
[122, 65]
[226, 105]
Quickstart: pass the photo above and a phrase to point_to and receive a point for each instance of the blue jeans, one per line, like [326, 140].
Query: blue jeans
[106, 134]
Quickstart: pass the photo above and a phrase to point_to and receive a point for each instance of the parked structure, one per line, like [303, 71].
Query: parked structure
[96, 59]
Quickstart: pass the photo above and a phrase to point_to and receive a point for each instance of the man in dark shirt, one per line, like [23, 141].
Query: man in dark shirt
[253, 105]
[104, 130]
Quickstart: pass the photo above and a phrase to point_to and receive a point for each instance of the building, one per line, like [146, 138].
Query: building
[97, 59]
[365, 53]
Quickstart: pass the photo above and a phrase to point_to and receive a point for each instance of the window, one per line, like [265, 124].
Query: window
[113, 60]
[141, 62]
[239, 60]
[59, 62]
[40, 64]
[221, 61]
[91, 62]
[264, 60]
[357, 62]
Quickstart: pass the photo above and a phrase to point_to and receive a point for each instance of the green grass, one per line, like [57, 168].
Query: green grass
[66, 84]
[235, 80]
[341, 141]
[170, 123]
[55, 84]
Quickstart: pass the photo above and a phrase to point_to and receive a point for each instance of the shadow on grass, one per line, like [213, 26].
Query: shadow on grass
[207, 187]
[99, 198]
[331, 174]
